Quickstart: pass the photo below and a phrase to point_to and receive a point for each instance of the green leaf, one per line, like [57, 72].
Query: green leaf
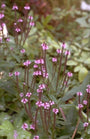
[82, 74]
[71, 63]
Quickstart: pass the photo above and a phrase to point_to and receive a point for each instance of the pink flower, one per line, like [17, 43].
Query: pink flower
[17, 29]
[15, 134]
[85, 124]
[42, 86]
[24, 100]
[3, 5]
[39, 103]
[51, 102]
[44, 46]
[63, 45]
[54, 59]
[67, 52]
[36, 137]
[88, 89]
[85, 102]
[58, 51]
[45, 75]
[27, 63]
[8, 39]
[38, 72]
[21, 94]
[46, 105]
[69, 74]
[27, 7]
[79, 94]
[20, 20]
[32, 126]
[22, 51]
[55, 110]
[32, 24]
[30, 17]
[15, 7]
[28, 94]
[80, 106]
[16, 73]
[35, 66]
[39, 91]
[39, 61]
[25, 126]
[10, 74]
[1, 15]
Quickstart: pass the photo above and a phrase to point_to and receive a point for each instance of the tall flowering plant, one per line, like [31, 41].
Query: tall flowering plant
[46, 108]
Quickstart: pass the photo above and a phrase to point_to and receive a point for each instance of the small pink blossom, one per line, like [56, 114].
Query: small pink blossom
[54, 59]
[32, 24]
[69, 74]
[32, 126]
[42, 86]
[44, 46]
[39, 91]
[39, 61]
[39, 103]
[15, 7]
[67, 52]
[85, 124]
[58, 51]
[30, 17]
[45, 75]
[63, 45]
[20, 20]
[16, 73]
[27, 63]
[27, 7]
[28, 94]
[88, 89]
[15, 134]
[36, 137]
[25, 126]
[80, 106]
[8, 39]
[38, 72]
[17, 29]
[55, 110]
[21, 94]
[22, 51]
[35, 66]
[85, 102]
[51, 102]
[11, 48]
[3, 5]
[46, 105]
[1, 15]
[79, 94]
[10, 74]
[24, 100]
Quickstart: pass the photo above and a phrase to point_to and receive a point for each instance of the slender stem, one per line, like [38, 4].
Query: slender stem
[62, 112]
[54, 121]
[74, 133]
[36, 118]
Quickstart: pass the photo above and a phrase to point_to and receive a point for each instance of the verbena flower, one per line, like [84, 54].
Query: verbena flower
[22, 51]
[80, 106]
[3, 5]
[27, 63]
[17, 29]
[16, 73]
[54, 59]
[85, 124]
[27, 7]
[15, 7]
[44, 46]
[85, 102]
[69, 74]
[32, 126]
[10, 74]
[58, 51]
[79, 94]
[1, 15]
[28, 94]
[21, 94]
[39, 103]
[24, 100]
[15, 134]
[36, 137]
[55, 110]
[25, 126]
